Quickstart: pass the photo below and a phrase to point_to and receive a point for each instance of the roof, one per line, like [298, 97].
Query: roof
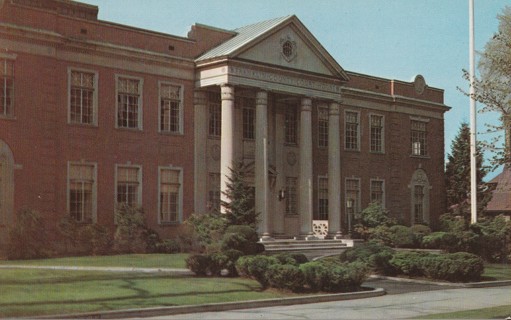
[501, 195]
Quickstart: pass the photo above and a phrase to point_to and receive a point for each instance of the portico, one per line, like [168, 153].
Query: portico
[267, 102]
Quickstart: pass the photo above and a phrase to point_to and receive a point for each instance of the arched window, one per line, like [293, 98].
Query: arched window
[6, 184]
[419, 189]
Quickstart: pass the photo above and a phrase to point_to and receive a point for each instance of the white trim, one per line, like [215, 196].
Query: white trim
[140, 120]
[95, 96]
[359, 128]
[421, 119]
[181, 107]
[420, 178]
[180, 195]
[382, 132]
[94, 213]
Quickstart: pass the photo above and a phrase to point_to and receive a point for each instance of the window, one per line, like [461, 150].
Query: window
[376, 124]
[215, 115]
[129, 103]
[291, 183]
[82, 97]
[82, 192]
[418, 204]
[248, 119]
[291, 124]
[6, 184]
[7, 88]
[419, 138]
[377, 192]
[323, 127]
[322, 199]
[171, 114]
[128, 185]
[351, 130]
[353, 193]
[170, 195]
[214, 192]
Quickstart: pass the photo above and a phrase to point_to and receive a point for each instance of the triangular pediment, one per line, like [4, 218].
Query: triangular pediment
[282, 42]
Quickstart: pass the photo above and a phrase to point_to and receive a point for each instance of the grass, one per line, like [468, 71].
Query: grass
[129, 260]
[500, 312]
[493, 271]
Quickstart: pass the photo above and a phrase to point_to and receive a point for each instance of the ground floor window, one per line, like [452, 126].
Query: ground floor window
[170, 195]
[214, 192]
[377, 192]
[128, 185]
[81, 193]
[322, 213]
[291, 183]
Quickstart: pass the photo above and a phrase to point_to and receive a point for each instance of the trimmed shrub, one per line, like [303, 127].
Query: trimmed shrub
[217, 262]
[295, 259]
[440, 240]
[419, 231]
[315, 274]
[401, 236]
[255, 267]
[199, 264]
[131, 233]
[375, 255]
[241, 238]
[455, 267]
[230, 265]
[408, 263]
[168, 246]
[242, 266]
[300, 258]
[381, 234]
[345, 277]
[375, 215]
[96, 238]
[285, 276]
[27, 239]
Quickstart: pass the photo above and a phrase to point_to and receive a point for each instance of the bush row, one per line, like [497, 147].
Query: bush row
[454, 267]
[295, 274]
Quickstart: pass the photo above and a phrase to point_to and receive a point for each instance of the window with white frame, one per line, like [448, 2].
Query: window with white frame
[214, 192]
[291, 196]
[353, 193]
[377, 191]
[376, 127]
[170, 195]
[7, 88]
[215, 115]
[129, 103]
[323, 127]
[82, 191]
[351, 130]
[171, 108]
[129, 185]
[419, 138]
[322, 199]
[249, 115]
[291, 125]
[82, 97]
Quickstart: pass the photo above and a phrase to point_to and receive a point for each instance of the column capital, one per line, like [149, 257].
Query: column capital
[306, 104]
[227, 92]
[200, 97]
[261, 98]
[334, 108]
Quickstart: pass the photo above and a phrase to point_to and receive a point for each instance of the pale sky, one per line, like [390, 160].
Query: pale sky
[394, 39]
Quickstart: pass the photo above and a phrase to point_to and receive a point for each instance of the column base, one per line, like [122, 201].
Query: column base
[266, 237]
[306, 237]
[335, 236]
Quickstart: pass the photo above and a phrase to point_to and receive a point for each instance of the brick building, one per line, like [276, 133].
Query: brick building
[94, 113]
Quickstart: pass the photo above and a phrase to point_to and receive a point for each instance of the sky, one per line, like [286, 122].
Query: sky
[395, 39]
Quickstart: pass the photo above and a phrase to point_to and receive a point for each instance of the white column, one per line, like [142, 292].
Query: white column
[261, 164]
[201, 135]
[334, 173]
[306, 178]
[227, 139]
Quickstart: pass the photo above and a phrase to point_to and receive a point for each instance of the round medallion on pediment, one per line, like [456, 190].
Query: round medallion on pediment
[419, 84]
[288, 48]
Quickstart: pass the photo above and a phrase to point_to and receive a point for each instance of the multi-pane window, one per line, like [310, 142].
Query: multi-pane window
[351, 130]
[82, 97]
[322, 199]
[170, 195]
[7, 88]
[128, 185]
[129, 103]
[1, 194]
[419, 138]
[215, 115]
[323, 127]
[248, 123]
[376, 124]
[418, 203]
[291, 125]
[353, 194]
[214, 192]
[291, 195]
[377, 192]
[170, 108]
[81, 191]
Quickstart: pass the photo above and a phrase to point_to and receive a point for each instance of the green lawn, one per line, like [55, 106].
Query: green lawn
[493, 271]
[129, 260]
[501, 312]
[26, 292]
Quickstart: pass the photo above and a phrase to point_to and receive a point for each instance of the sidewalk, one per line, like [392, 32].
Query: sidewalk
[173, 271]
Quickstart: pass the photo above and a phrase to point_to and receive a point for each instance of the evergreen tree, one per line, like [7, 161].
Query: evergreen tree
[457, 171]
[240, 209]
[493, 87]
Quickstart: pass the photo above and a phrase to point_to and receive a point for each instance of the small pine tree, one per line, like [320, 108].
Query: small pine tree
[240, 209]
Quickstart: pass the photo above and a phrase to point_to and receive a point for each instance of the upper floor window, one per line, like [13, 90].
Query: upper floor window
[171, 108]
[82, 191]
[170, 195]
[352, 130]
[419, 138]
[376, 124]
[377, 192]
[291, 125]
[129, 103]
[129, 185]
[215, 115]
[82, 97]
[7, 88]
[323, 127]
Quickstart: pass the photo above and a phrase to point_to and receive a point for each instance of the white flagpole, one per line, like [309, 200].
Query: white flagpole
[473, 127]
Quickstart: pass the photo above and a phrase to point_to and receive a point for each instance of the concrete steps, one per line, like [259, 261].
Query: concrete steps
[311, 248]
